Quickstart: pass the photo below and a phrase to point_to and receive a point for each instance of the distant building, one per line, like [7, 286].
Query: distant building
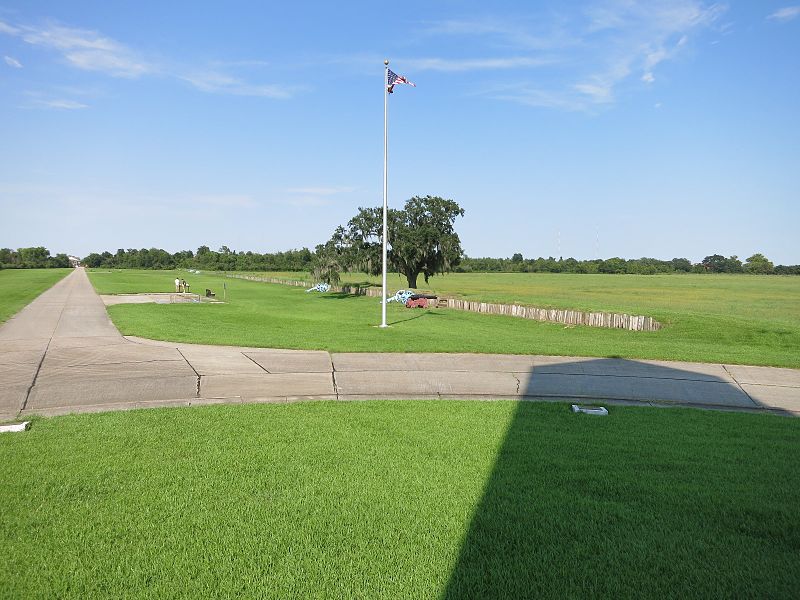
[74, 261]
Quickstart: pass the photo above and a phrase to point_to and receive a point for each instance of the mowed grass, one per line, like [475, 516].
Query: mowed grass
[666, 297]
[739, 320]
[401, 499]
[18, 287]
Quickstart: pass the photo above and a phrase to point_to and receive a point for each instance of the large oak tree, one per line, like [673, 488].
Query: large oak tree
[421, 240]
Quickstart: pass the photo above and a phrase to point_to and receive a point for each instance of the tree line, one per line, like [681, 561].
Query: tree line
[368, 259]
[715, 263]
[203, 258]
[31, 258]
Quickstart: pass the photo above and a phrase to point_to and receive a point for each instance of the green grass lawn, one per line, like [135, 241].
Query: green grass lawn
[666, 297]
[401, 499]
[18, 287]
[737, 319]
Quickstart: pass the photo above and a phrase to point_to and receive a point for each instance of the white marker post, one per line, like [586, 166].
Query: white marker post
[385, 180]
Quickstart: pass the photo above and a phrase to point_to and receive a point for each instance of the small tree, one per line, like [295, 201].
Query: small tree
[59, 261]
[34, 258]
[759, 264]
[733, 265]
[613, 265]
[328, 261]
[681, 264]
[716, 263]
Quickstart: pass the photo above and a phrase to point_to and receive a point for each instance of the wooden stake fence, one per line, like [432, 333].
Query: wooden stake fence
[552, 315]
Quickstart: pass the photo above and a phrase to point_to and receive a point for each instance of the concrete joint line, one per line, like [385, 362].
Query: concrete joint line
[548, 372]
[196, 374]
[333, 376]
[44, 354]
[773, 385]
[260, 366]
[35, 377]
[739, 385]
[128, 362]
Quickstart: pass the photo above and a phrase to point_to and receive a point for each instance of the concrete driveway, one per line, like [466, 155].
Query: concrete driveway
[62, 354]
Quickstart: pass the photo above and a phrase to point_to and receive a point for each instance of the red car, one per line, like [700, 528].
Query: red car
[419, 301]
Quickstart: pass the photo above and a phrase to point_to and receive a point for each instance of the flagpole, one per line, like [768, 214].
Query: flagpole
[385, 179]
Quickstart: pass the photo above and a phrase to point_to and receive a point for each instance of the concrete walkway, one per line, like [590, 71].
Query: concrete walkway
[62, 354]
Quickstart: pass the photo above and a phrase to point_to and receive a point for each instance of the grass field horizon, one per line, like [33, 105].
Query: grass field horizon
[729, 319]
[401, 499]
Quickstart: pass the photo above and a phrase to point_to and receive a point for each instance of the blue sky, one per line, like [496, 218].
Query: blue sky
[611, 128]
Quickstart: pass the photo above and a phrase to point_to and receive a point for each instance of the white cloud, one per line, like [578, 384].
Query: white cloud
[89, 50]
[505, 33]
[215, 82]
[475, 64]
[600, 92]
[597, 49]
[639, 36]
[536, 97]
[60, 104]
[445, 64]
[12, 62]
[657, 15]
[599, 87]
[654, 57]
[787, 13]
[114, 64]
[6, 28]
[53, 100]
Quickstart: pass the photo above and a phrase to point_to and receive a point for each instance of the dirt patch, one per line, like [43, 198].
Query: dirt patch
[158, 298]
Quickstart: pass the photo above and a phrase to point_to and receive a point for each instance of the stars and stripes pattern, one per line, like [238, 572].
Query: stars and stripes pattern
[394, 78]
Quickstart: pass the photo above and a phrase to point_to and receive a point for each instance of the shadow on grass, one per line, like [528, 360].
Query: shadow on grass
[422, 313]
[340, 296]
[351, 290]
[640, 503]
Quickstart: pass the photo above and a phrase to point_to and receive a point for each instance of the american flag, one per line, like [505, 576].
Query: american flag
[395, 78]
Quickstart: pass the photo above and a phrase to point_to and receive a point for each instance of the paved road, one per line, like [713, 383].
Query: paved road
[62, 354]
